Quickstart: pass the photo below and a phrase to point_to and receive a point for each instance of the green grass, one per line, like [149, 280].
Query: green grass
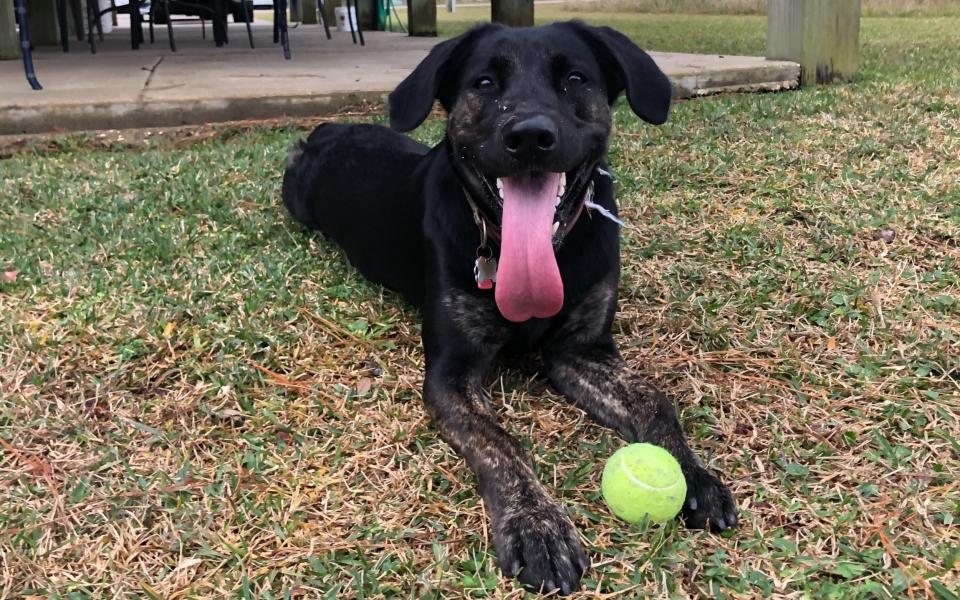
[873, 8]
[198, 399]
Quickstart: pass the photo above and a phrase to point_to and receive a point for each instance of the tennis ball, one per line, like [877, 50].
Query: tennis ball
[643, 480]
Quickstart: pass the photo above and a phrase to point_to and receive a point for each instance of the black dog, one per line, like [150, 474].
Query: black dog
[529, 119]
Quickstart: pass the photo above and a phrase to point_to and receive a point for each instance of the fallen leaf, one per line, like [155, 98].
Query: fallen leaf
[229, 414]
[10, 276]
[187, 563]
[364, 385]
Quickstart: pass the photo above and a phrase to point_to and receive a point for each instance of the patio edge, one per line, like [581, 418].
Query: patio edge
[17, 119]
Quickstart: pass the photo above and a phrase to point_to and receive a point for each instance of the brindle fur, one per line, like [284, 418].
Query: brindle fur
[398, 210]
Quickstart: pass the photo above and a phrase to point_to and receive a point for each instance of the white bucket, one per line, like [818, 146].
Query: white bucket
[341, 14]
[106, 19]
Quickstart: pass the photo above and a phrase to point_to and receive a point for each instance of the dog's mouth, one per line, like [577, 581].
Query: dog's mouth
[570, 191]
[537, 210]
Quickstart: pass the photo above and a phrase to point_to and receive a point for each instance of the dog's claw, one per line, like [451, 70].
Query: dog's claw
[709, 504]
[583, 563]
[537, 544]
[732, 518]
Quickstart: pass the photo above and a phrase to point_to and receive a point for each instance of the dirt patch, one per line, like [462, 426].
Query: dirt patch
[45, 144]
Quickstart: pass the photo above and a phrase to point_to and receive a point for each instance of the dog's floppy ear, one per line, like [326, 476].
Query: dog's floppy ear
[411, 101]
[627, 67]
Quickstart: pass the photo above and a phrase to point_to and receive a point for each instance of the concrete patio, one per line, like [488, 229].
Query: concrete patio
[200, 83]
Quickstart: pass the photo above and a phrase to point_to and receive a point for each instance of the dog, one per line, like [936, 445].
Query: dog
[485, 233]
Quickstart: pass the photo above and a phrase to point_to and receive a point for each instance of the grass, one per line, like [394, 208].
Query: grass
[198, 399]
[873, 8]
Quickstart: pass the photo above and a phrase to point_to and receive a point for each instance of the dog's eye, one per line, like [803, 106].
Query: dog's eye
[483, 83]
[576, 77]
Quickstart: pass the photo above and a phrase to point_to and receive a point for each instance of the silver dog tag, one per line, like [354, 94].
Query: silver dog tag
[485, 272]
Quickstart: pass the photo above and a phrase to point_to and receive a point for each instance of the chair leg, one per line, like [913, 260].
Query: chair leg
[96, 19]
[353, 31]
[173, 43]
[91, 17]
[25, 46]
[76, 8]
[219, 23]
[153, 5]
[284, 38]
[222, 8]
[62, 23]
[247, 19]
[323, 17]
[136, 26]
[276, 22]
[353, 19]
[356, 18]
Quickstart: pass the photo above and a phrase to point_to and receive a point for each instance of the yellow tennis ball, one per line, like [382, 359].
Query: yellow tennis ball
[643, 480]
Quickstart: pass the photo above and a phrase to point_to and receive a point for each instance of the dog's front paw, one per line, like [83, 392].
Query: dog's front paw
[709, 503]
[537, 544]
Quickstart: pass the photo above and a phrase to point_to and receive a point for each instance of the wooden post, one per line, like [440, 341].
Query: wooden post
[9, 42]
[42, 21]
[515, 13]
[422, 17]
[309, 10]
[822, 35]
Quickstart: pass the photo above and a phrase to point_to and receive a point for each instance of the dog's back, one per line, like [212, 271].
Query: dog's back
[353, 182]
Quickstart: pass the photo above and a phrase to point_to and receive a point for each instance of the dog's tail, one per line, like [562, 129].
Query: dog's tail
[293, 180]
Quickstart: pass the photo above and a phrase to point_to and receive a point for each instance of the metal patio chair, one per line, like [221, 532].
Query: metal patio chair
[136, 22]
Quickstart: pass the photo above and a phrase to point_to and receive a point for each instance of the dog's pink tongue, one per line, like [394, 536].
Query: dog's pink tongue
[528, 279]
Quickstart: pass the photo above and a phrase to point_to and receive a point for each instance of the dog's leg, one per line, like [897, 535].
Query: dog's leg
[534, 538]
[595, 377]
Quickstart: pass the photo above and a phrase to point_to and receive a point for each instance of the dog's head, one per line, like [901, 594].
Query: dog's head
[529, 119]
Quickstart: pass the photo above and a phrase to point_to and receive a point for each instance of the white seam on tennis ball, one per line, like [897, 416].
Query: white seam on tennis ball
[652, 488]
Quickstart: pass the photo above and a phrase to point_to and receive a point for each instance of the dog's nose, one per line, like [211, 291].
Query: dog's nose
[530, 137]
